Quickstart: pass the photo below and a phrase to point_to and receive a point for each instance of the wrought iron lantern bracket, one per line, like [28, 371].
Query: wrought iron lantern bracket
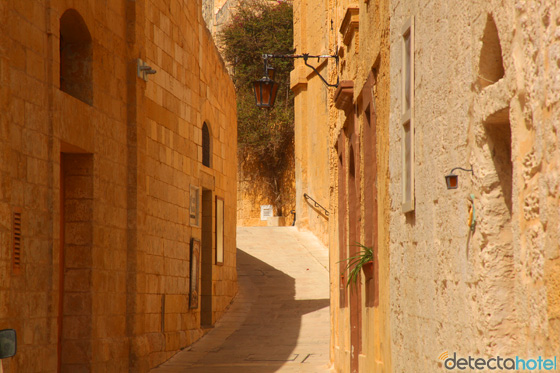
[305, 57]
[266, 88]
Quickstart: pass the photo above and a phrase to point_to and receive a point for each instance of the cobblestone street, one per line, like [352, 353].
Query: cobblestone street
[279, 321]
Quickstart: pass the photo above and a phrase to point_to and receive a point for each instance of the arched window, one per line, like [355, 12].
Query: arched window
[76, 57]
[206, 145]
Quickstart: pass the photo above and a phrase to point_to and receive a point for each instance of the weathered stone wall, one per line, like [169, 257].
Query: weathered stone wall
[121, 196]
[224, 12]
[208, 13]
[485, 95]
[217, 12]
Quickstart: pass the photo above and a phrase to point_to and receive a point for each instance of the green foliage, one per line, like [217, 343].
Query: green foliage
[262, 27]
[355, 263]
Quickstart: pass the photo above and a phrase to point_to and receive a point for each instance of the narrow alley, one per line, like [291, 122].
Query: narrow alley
[279, 321]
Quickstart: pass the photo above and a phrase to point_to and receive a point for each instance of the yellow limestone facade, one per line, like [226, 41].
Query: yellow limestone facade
[98, 167]
[342, 161]
[481, 91]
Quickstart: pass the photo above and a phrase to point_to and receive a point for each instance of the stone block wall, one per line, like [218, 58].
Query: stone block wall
[103, 187]
[484, 97]
[188, 89]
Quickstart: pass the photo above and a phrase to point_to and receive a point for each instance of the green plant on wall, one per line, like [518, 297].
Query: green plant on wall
[358, 262]
[264, 135]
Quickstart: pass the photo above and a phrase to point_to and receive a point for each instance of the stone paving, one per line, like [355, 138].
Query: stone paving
[279, 321]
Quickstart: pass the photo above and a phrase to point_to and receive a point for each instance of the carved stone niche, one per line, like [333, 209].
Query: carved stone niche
[350, 25]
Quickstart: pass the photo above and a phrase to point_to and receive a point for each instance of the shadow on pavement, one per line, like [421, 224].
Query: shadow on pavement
[268, 337]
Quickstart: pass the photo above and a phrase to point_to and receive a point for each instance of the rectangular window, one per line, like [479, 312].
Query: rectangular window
[406, 67]
[407, 116]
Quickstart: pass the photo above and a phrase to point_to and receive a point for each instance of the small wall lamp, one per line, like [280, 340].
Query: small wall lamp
[143, 70]
[266, 88]
[452, 180]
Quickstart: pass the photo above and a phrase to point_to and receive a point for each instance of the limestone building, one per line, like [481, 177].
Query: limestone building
[474, 86]
[342, 162]
[426, 87]
[311, 112]
[218, 13]
[118, 158]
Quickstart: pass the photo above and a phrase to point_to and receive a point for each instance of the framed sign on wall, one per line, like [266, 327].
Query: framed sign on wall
[219, 231]
[194, 206]
[266, 212]
[194, 272]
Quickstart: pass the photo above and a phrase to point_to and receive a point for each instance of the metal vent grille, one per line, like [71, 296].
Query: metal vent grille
[17, 242]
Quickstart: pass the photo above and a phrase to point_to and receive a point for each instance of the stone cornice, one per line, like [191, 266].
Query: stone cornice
[344, 95]
[350, 24]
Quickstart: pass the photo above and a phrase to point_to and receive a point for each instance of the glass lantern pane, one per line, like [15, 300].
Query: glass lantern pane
[257, 86]
[266, 87]
[453, 181]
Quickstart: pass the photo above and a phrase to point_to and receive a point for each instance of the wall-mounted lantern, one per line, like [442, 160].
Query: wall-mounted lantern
[143, 70]
[452, 180]
[266, 88]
